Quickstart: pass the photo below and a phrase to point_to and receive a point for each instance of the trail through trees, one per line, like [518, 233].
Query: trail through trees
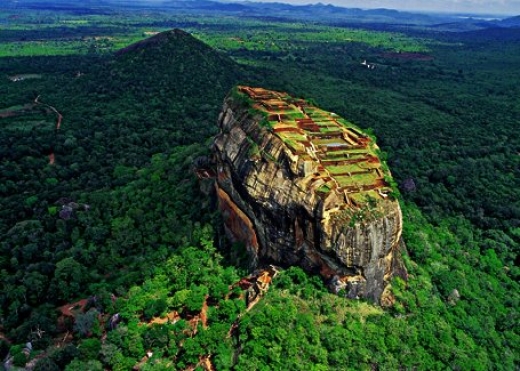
[52, 157]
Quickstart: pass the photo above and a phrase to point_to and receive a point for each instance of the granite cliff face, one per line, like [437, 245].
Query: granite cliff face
[302, 186]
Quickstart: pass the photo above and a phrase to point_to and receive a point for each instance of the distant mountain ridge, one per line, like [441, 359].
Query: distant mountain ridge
[318, 12]
[510, 22]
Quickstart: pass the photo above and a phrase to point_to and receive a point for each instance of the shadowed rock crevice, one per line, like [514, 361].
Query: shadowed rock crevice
[302, 186]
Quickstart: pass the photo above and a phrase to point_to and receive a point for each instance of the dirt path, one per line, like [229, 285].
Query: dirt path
[52, 157]
[258, 282]
[53, 109]
[204, 314]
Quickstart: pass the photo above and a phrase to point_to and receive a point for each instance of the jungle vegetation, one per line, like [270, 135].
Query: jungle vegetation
[108, 207]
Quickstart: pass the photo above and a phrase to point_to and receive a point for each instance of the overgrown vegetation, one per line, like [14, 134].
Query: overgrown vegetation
[120, 215]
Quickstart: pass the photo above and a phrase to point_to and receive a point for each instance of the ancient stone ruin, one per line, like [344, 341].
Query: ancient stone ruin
[302, 186]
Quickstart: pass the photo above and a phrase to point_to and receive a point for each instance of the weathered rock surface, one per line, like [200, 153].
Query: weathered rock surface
[301, 186]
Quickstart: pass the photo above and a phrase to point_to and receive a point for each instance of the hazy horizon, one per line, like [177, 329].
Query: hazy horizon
[498, 7]
[482, 7]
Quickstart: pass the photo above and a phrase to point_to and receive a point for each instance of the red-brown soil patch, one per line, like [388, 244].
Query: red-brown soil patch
[71, 309]
[204, 313]
[373, 160]
[170, 317]
[26, 108]
[7, 114]
[58, 123]
[287, 130]
[3, 337]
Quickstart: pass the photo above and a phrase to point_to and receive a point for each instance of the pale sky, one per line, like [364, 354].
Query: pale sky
[507, 7]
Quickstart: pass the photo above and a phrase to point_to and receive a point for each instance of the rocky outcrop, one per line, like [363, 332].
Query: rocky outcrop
[302, 186]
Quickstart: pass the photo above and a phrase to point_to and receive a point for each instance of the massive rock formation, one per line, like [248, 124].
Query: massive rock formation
[302, 186]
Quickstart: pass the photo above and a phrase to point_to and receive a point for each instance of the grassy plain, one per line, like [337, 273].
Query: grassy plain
[67, 34]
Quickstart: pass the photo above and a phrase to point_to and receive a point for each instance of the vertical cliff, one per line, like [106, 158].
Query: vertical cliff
[302, 186]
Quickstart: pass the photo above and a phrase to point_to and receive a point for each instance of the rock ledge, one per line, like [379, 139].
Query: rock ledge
[302, 186]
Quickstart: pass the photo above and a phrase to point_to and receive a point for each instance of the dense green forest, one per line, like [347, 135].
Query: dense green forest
[108, 207]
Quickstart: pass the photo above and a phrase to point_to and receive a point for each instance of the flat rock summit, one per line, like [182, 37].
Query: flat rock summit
[302, 186]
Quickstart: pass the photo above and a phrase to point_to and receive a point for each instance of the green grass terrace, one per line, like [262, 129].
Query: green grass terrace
[346, 156]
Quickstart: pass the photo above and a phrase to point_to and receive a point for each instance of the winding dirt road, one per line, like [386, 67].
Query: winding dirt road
[52, 157]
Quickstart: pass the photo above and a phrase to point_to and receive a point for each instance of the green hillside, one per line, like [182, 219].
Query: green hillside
[154, 104]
